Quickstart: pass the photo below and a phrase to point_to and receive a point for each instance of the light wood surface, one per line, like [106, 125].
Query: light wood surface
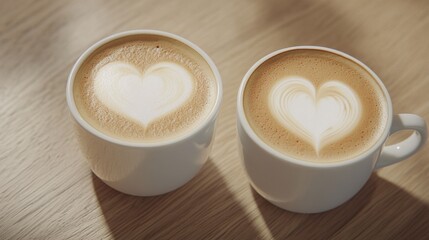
[47, 190]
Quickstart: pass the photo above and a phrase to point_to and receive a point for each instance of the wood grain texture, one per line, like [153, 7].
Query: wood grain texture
[47, 190]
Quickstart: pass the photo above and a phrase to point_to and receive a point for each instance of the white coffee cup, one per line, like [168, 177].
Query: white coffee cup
[145, 169]
[310, 187]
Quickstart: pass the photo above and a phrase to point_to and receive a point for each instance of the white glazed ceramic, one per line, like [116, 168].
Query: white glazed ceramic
[310, 187]
[145, 169]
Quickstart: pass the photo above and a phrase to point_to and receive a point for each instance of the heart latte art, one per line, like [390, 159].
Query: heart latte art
[145, 89]
[318, 116]
[315, 106]
[143, 97]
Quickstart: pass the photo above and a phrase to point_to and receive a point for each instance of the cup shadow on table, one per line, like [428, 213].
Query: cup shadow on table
[203, 208]
[372, 213]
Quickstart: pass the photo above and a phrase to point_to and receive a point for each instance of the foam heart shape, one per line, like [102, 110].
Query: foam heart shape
[319, 116]
[143, 97]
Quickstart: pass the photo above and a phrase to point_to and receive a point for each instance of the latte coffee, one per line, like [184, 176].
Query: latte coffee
[145, 88]
[315, 106]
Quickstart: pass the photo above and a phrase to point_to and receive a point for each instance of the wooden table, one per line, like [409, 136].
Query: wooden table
[47, 190]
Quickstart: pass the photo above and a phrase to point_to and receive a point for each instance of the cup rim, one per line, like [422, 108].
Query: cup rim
[250, 132]
[88, 127]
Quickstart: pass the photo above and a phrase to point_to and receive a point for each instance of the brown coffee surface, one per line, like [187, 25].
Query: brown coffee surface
[318, 67]
[142, 52]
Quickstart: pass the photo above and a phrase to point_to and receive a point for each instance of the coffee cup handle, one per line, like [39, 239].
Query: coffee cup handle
[399, 151]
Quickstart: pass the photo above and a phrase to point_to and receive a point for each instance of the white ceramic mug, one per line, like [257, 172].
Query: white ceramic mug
[145, 169]
[310, 187]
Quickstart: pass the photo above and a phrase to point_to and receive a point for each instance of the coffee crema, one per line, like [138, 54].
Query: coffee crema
[315, 106]
[145, 88]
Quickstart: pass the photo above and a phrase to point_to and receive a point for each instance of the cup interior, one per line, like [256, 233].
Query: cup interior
[82, 122]
[243, 121]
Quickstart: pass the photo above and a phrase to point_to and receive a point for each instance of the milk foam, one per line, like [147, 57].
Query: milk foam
[315, 106]
[143, 97]
[320, 116]
[145, 88]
